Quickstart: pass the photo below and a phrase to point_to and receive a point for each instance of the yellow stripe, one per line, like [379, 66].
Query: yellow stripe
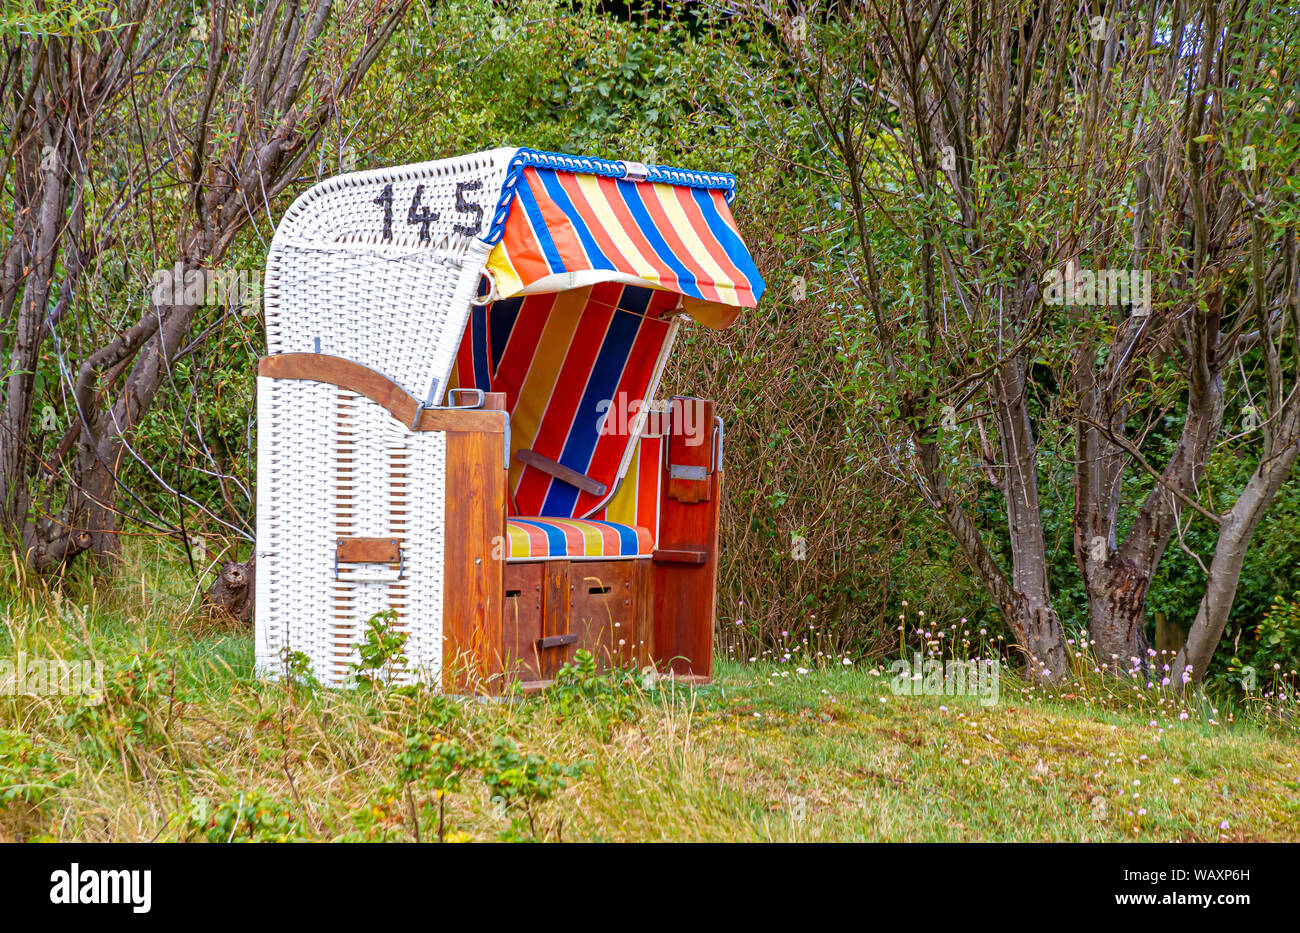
[518, 542]
[503, 271]
[682, 225]
[613, 227]
[622, 508]
[543, 371]
[592, 538]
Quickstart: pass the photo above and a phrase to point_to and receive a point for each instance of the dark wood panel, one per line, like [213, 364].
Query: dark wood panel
[521, 622]
[643, 613]
[685, 594]
[600, 608]
[473, 579]
[555, 614]
[683, 453]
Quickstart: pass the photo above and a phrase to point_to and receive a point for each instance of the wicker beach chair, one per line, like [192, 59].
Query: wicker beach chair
[456, 423]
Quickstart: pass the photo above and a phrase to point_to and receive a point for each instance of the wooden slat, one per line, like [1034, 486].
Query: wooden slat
[473, 587]
[643, 613]
[368, 551]
[681, 555]
[521, 624]
[561, 472]
[685, 593]
[555, 613]
[334, 370]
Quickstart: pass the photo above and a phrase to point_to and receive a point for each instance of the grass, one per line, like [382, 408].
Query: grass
[189, 745]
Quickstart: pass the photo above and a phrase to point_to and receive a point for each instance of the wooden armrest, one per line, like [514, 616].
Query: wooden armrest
[531, 458]
[681, 556]
[346, 374]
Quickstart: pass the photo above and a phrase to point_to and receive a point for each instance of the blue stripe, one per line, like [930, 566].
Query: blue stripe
[606, 373]
[556, 192]
[501, 323]
[626, 537]
[731, 244]
[685, 278]
[479, 349]
[534, 212]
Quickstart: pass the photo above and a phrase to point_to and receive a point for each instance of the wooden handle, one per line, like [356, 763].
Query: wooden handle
[558, 641]
[564, 474]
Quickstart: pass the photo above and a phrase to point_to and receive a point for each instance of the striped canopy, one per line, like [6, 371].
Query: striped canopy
[566, 223]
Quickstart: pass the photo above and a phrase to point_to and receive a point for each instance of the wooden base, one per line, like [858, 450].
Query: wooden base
[655, 610]
[555, 608]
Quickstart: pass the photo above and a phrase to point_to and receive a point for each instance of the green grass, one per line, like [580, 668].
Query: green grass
[190, 746]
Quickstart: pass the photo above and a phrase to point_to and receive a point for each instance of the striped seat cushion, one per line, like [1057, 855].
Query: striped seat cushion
[574, 539]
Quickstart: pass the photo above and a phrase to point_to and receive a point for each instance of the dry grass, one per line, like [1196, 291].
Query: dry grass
[190, 746]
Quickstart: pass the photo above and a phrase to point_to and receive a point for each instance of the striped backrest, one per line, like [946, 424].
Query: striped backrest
[566, 360]
[637, 500]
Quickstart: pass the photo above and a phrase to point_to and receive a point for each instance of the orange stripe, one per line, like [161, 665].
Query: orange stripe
[614, 197]
[521, 246]
[701, 226]
[558, 226]
[594, 226]
[653, 206]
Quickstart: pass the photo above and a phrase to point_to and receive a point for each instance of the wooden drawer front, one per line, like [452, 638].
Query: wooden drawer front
[554, 608]
[521, 621]
[609, 610]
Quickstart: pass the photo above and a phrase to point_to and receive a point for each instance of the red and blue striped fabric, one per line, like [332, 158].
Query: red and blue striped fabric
[567, 228]
[561, 359]
[637, 500]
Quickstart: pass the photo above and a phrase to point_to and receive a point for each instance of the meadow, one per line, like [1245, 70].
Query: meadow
[188, 744]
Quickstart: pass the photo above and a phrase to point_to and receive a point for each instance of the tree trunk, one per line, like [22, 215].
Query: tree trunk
[1117, 593]
[1235, 531]
[232, 591]
[1032, 618]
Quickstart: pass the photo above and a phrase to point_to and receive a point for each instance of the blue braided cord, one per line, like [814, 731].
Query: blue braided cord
[589, 165]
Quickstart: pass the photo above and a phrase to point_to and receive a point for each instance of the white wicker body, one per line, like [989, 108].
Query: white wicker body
[334, 464]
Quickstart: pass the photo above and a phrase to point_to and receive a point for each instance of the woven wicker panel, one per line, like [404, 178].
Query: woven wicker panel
[380, 267]
[333, 464]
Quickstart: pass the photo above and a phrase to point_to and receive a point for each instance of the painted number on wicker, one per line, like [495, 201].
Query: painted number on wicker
[420, 214]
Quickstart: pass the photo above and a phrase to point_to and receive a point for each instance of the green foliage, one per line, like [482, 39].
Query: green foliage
[1274, 648]
[297, 670]
[432, 765]
[520, 782]
[29, 774]
[139, 702]
[250, 816]
[381, 652]
[608, 698]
